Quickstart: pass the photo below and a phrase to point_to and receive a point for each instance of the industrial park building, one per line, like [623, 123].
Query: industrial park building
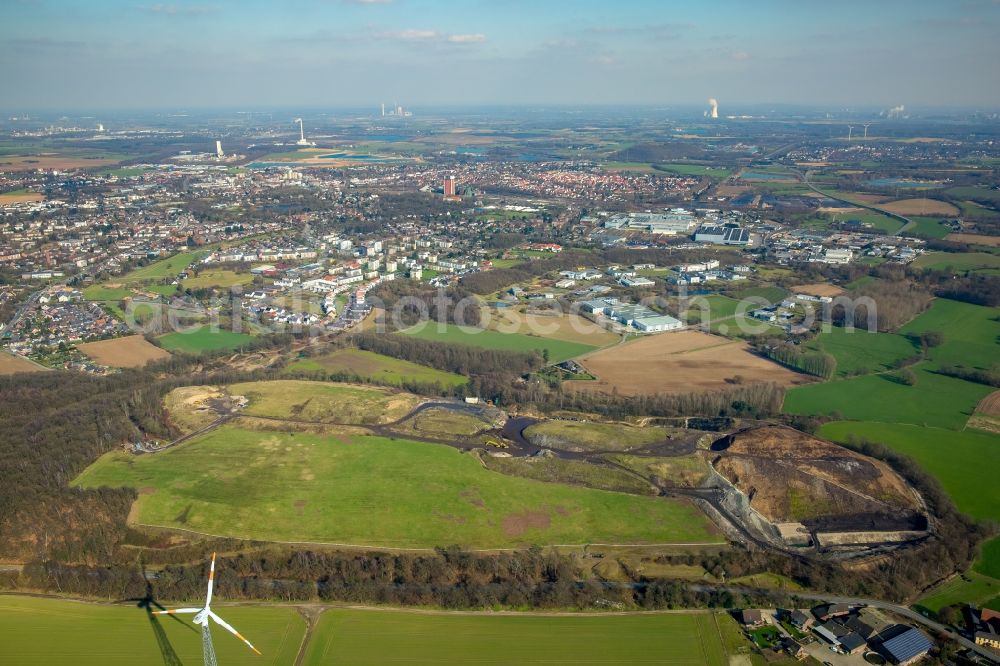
[722, 235]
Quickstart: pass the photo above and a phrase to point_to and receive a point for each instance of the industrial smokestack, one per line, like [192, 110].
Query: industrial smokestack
[714, 112]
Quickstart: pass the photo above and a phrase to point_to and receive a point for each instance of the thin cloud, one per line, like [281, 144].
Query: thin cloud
[431, 36]
[177, 10]
[476, 38]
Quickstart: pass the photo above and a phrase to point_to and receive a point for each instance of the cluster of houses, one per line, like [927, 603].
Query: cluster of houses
[848, 630]
[59, 316]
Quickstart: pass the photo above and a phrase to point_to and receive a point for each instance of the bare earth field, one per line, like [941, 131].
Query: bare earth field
[20, 198]
[990, 404]
[731, 190]
[974, 239]
[675, 362]
[819, 289]
[792, 476]
[132, 351]
[987, 414]
[10, 364]
[921, 207]
[31, 162]
[838, 211]
[570, 327]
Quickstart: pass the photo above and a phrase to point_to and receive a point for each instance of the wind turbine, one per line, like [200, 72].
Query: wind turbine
[202, 616]
[867, 125]
[850, 129]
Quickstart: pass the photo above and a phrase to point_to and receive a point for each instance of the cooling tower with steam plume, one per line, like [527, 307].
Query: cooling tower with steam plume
[714, 111]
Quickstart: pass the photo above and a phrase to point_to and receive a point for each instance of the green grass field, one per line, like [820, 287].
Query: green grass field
[982, 194]
[558, 350]
[970, 588]
[366, 490]
[927, 227]
[973, 210]
[324, 402]
[971, 333]
[859, 352]
[99, 292]
[702, 308]
[957, 261]
[163, 268]
[377, 367]
[935, 400]
[50, 631]
[988, 563]
[889, 225]
[967, 463]
[390, 637]
[218, 278]
[203, 339]
[769, 294]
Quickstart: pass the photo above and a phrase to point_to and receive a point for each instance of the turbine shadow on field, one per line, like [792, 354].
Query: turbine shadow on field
[147, 602]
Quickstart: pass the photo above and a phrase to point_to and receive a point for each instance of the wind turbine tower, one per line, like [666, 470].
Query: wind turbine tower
[218, 150]
[867, 125]
[850, 131]
[202, 617]
[383, 109]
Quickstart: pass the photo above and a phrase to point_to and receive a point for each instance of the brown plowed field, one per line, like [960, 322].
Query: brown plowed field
[921, 207]
[20, 198]
[819, 289]
[10, 364]
[990, 404]
[974, 239]
[679, 361]
[128, 352]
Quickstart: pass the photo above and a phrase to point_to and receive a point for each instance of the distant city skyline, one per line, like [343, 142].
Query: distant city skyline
[60, 54]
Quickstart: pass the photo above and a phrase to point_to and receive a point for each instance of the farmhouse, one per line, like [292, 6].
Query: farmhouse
[984, 625]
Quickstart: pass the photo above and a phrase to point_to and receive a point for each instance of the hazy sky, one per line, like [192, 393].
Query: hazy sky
[205, 53]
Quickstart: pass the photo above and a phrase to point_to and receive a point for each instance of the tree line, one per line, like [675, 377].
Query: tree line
[816, 363]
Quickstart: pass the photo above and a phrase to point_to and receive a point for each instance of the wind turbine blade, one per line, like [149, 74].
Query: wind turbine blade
[211, 581]
[175, 611]
[230, 629]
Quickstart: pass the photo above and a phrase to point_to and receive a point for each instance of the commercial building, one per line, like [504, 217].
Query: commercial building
[638, 317]
[722, 235]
